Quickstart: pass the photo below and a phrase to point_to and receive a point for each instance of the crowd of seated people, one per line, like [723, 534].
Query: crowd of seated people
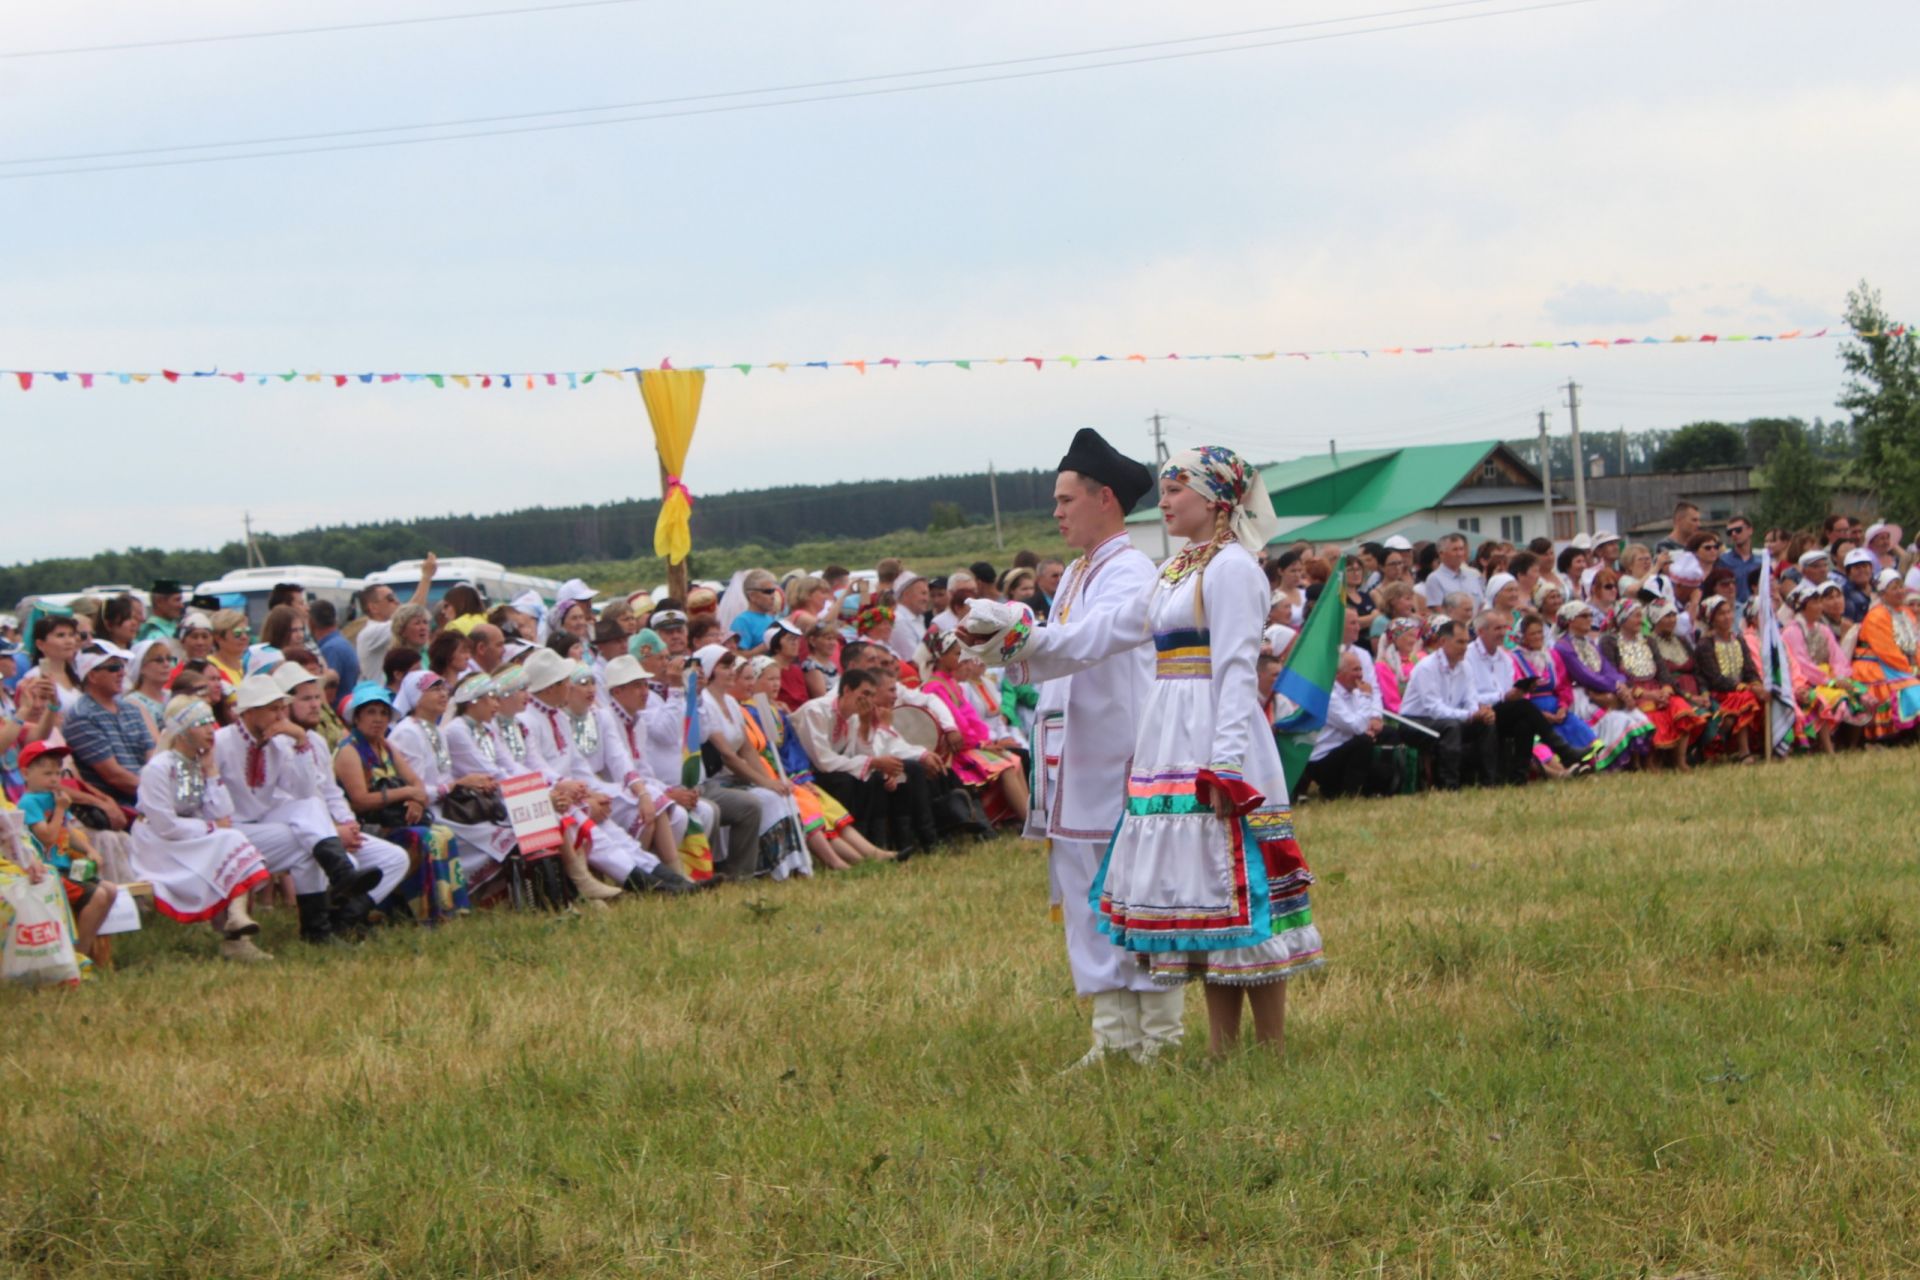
[779, 727]
[1497, 665]
[354, 772]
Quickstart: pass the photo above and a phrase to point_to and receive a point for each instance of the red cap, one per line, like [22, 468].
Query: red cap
[34, 750]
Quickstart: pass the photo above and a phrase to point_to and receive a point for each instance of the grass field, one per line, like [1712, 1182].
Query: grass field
[929, 553]
[1616, 1027]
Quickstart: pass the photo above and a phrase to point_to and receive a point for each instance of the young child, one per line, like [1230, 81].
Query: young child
[61, 843]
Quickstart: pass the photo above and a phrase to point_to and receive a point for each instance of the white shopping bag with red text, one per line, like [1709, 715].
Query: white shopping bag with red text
[38, 948]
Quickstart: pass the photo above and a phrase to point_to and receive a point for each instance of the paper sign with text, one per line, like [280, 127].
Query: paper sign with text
[530, 809]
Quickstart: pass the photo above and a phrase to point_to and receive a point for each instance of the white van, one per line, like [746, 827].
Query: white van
[65, 599]
[496, 582]
[253, 586]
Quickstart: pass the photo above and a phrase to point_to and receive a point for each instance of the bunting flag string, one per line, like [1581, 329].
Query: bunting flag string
[575, 379]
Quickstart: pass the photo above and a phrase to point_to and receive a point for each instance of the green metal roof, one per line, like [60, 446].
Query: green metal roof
[1366, 489]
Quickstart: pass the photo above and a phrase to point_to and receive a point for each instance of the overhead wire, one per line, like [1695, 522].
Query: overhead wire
[726, 108]
[371, 24]
[798, 87]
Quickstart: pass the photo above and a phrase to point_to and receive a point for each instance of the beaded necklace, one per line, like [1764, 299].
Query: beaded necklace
[441, 759]
[483, 741]
[513, 737]
[189, 786]
[1729, 656]
[586, 732]
[1191, 557]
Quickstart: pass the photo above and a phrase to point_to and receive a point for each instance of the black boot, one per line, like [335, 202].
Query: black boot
[316, 919]
[350, 915]
[344, 880]
[658, 880]
[919, 789]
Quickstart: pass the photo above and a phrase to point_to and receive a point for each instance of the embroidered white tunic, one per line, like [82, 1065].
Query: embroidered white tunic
[1084, 729]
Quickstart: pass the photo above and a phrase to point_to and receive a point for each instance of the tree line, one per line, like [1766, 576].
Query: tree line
[553, 535]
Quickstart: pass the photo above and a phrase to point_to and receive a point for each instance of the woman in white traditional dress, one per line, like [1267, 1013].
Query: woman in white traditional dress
[1202, 879]
[724, 727]
[185, 846]
[421, 740]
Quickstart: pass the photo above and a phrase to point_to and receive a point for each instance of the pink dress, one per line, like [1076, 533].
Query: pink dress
[1392, 680]
[975, 763]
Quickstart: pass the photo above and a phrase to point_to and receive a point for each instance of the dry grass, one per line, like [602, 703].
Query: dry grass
[1612, 1028]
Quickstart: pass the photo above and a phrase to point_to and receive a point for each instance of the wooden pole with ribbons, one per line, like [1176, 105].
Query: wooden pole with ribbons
[672, 398]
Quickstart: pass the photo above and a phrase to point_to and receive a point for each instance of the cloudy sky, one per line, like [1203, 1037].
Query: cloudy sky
[1611, 168]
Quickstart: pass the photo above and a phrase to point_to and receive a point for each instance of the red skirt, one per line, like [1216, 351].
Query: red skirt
[1675, 720]
[1738, 710]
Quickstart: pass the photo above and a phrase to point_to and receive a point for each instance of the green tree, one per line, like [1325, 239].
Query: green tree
[943, 516]
[1702, 444]
[1883, 395]
[1794, 491]
[1765, 434]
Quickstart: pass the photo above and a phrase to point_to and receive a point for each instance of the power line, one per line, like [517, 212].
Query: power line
[787, 102]
[802, 87]
[309, 31]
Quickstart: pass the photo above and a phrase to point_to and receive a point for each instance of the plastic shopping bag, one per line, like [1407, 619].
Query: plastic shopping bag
[38, 949]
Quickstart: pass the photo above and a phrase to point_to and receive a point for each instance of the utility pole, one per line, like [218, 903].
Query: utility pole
[1546, 474]
[254, 558]
[1579, 459]
[1159, 460]
[1333, 477]
[1621, 439]
[993, 487]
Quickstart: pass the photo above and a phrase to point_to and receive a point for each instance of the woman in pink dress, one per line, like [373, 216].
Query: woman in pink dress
[979, 760]
[1403, 652]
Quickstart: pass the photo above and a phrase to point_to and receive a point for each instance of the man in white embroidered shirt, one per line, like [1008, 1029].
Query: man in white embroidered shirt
[1344, 760]
[1452, 573]
[1083, 741]
[1517, 722]
[1441, 696]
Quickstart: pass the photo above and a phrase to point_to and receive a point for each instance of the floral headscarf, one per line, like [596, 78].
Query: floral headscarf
[1226, 480]
[873, 618]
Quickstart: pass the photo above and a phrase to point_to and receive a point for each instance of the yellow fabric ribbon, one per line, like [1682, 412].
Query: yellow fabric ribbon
[673, 406]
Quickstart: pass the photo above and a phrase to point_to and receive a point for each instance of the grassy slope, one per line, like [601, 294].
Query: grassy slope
[930, 553]
[1609, 1028]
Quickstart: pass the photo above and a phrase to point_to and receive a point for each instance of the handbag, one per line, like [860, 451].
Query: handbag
[90, 815]
[390, 814]
[38, 949]
[472, 807]
[960, 810]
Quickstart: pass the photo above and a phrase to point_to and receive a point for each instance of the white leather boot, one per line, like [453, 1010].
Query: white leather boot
[1116, 1027]
[238, 924]
[1161, 1022]
[587, 886]
[242, 951]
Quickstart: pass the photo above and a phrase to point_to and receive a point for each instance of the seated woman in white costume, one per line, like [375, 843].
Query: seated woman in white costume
[724, 728]
[637, 802]
[185, 845]
[1203, 879]
[455, 798]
